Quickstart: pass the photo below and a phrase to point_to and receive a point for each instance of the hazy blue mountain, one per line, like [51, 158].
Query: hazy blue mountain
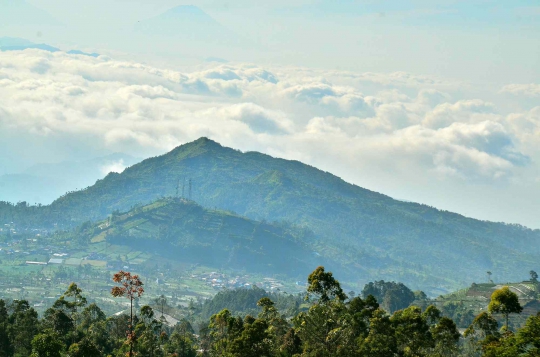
[20, 44]
[40, 46]
[20, 13]
[188, 24]
[14, 41]
[43, 183]
[78, 52]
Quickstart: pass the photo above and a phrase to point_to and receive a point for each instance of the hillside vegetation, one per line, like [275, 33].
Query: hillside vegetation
[182, 230]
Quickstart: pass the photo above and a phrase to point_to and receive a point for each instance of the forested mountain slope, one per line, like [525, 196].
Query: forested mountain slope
[377, 235]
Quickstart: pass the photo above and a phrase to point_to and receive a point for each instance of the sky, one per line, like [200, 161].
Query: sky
[435, 102]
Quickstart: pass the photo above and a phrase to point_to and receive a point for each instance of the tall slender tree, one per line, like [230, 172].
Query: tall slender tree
[130, 287]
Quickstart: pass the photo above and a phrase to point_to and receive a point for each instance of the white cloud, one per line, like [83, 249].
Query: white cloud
[463, 111]
[529, 90]
[257, 118]
[370, 127]
[115, 166]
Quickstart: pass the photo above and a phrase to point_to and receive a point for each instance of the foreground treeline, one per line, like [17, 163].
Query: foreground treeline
[331, 324]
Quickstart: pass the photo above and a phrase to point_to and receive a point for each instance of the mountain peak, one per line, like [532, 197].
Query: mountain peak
[186, 13]
[203, 141]
[195, 148]
[188, 22]
[186, 9]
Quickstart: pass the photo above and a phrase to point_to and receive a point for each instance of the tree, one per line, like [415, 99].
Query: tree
[324, 286]
[23, 327]
[327, 326]
[324, 328]
[277, 324]
[254, 341]
[6, 347]
[528, 337]
[47, 344]
[223, 329]
[181, 341]
[483, 328]
[381, 340]
[148, 332]
[84, 348]
[181, 346]
[63, 316]
[505, 302]
[446, 337]
[131, 288]
[59, 322]
[116, 327]
[90, 315]
[483, 325]
[432, 315]
[524, 343]
[161, 302]
[72, 298]
[393, 296]
[412, 332]
[292, 344]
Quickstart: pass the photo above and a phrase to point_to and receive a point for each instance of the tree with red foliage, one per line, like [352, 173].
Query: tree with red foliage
[131, 288]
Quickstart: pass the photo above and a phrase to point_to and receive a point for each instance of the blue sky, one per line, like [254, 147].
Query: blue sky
[451, 38]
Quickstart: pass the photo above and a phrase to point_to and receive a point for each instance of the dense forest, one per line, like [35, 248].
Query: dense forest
[373, 235]
[324, 322]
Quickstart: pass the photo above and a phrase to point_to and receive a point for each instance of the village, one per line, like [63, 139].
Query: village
[222, 281]
[38, 266]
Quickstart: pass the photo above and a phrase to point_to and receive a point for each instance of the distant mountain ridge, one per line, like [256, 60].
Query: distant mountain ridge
[375, 236]
[21, 44]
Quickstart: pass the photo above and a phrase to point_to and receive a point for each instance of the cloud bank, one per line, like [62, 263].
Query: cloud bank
[378, 130]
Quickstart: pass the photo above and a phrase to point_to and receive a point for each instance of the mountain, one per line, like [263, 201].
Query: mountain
[14, 42]
[180, 229]
[373, 235]
[20, 13]
[82, 53]
[187, 25]
[43, 183]
[19, 44]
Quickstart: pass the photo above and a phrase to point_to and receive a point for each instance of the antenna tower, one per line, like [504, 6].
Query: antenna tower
[183, 187]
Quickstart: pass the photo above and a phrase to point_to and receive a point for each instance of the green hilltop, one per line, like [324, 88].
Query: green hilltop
[369, 235]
